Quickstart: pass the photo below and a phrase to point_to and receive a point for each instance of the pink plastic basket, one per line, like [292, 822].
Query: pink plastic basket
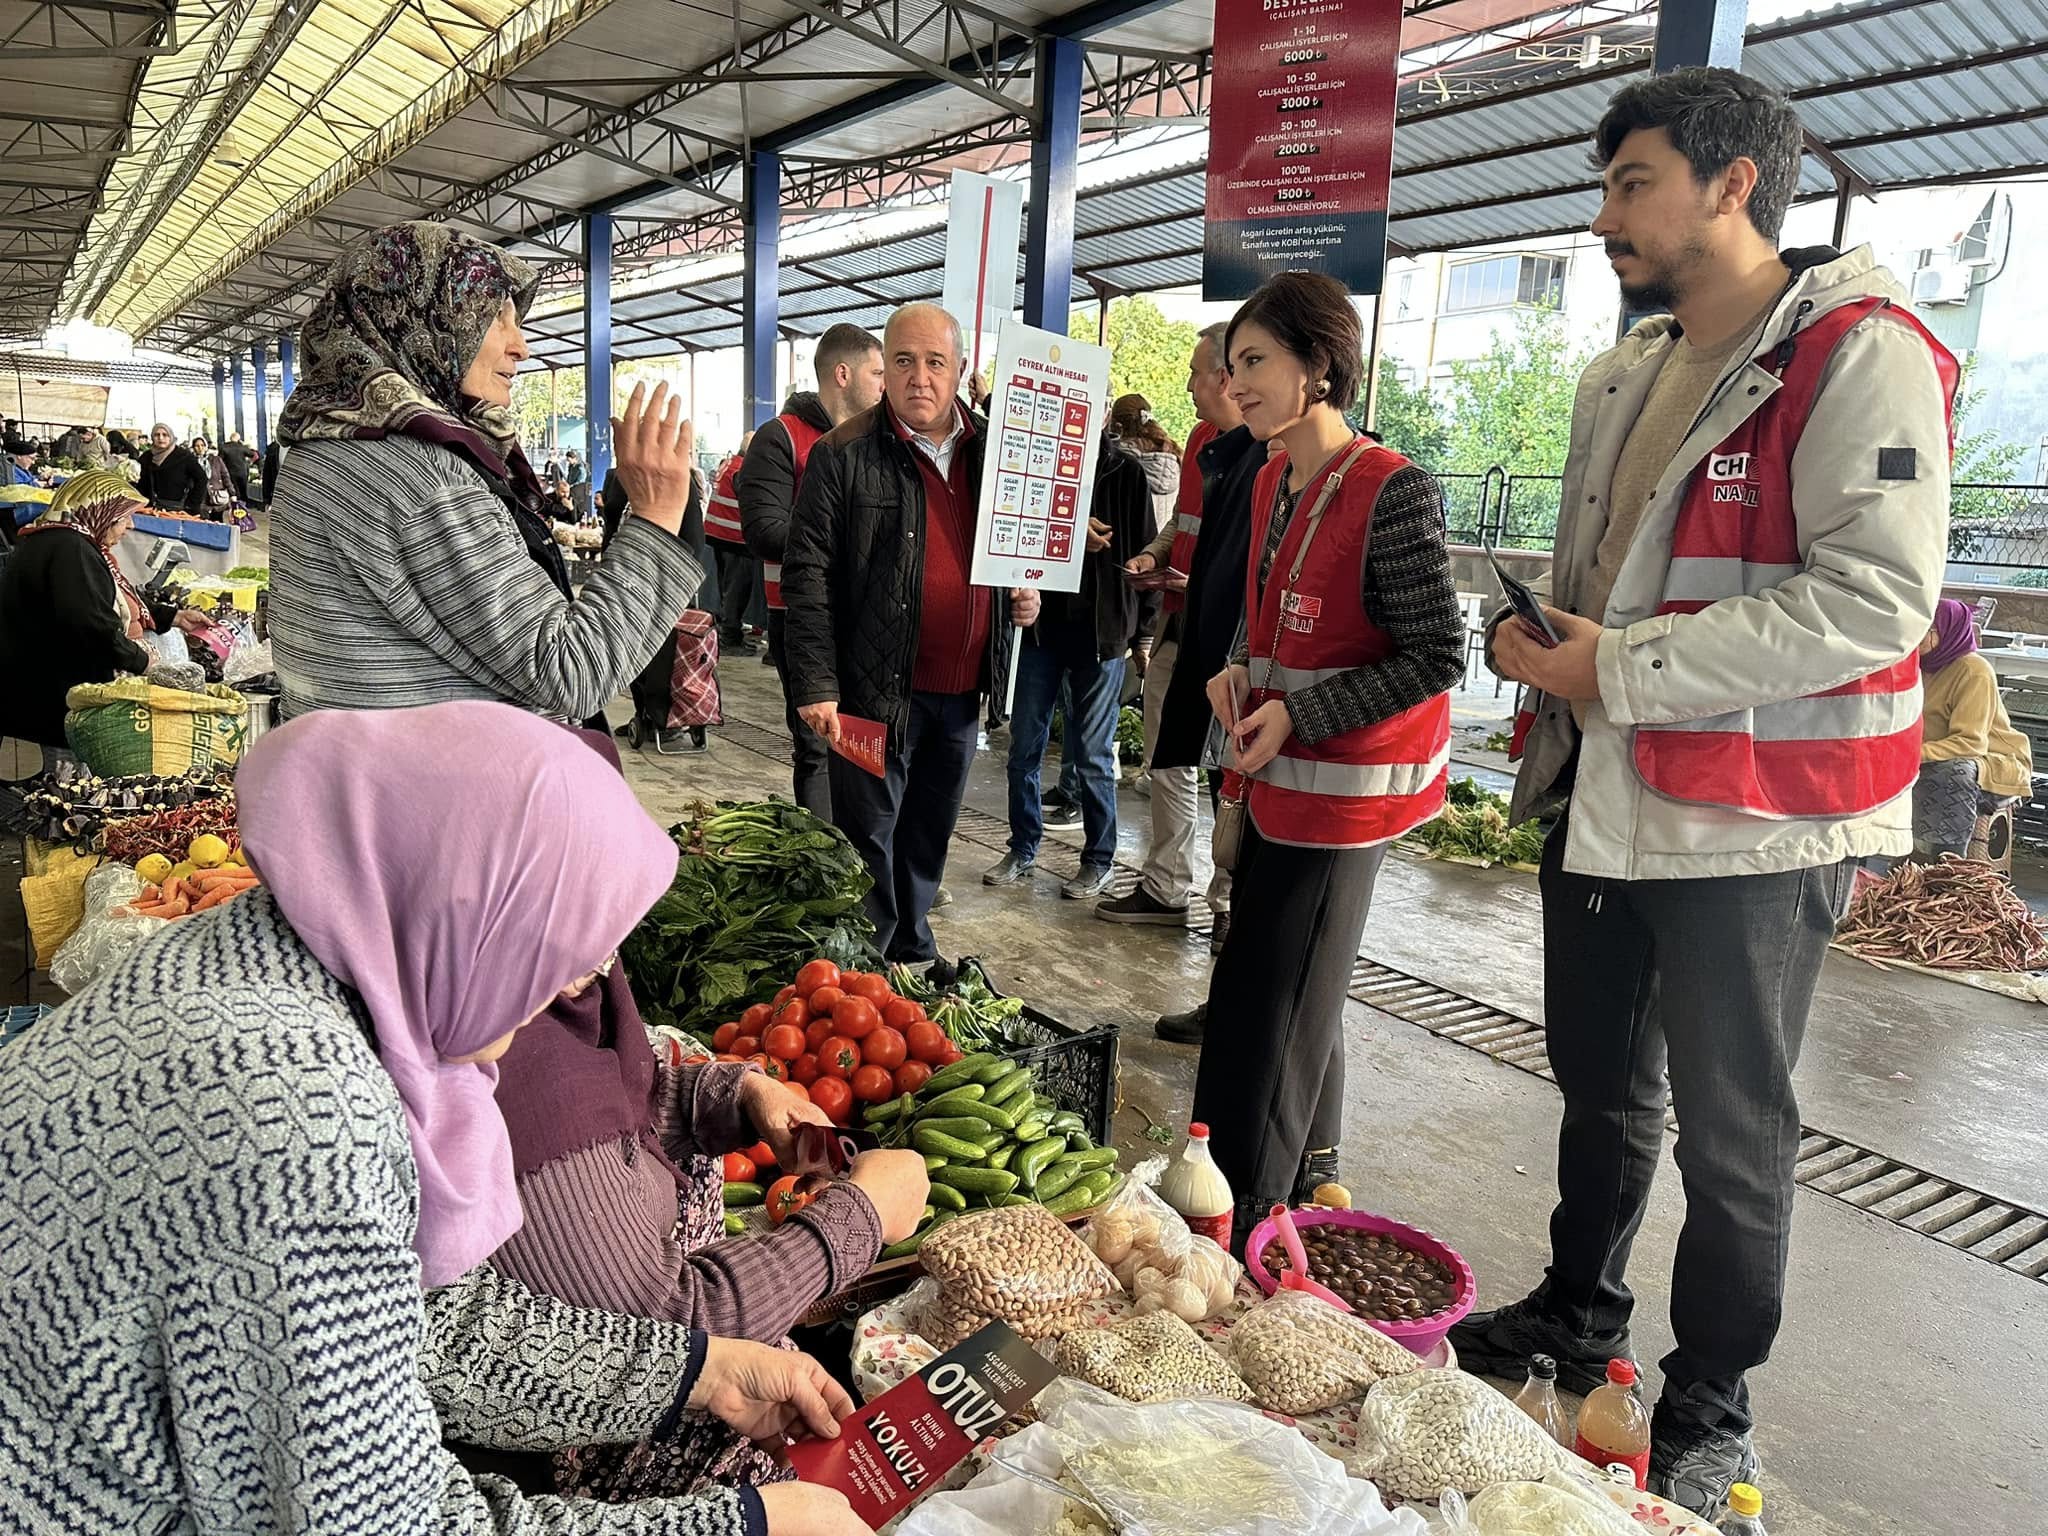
[1420, 1337]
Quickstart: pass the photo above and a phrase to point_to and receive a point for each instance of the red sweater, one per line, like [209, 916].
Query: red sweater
[952, 633]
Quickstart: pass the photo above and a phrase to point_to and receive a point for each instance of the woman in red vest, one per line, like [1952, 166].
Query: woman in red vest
[1337, 723]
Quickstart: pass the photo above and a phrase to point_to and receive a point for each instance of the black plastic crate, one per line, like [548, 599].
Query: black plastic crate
[1075, 1068]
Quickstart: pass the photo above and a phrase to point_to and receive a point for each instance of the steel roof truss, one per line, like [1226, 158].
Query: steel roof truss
[92, 29]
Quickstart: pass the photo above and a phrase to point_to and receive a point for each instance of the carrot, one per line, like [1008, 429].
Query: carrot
[213, 879]
[217, 896]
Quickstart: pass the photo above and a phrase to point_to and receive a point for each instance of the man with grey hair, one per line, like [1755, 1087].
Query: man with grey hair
[1204, 550]
[884, 623]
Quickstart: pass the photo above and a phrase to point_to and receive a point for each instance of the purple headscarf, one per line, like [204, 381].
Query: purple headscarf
[458, 866]
[1955, 635]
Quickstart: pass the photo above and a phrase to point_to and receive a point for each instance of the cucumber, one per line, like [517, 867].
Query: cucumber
[1002, 1200]
[906, 1248]
[1067, 1123]
[1001, 1119]
[949, 1103]
[1000, 1158]
[979, 1181]
[738, 1195]
[945, 1194]
[962, 1127]
[933, 1163]
[993, 1069]
[938, 1144]
[1075, 1199]
[1032, 1130]
[1054, 1180]
[1094, 1158]
[734, 1226]
[1004, 1084]
[1035, 1159]
[1094, 1185]
[962, 1071]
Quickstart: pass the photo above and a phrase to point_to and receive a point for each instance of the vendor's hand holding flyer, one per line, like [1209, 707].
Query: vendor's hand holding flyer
[864, 743]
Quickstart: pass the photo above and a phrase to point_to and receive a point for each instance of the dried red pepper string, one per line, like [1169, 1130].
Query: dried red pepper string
[170, 833]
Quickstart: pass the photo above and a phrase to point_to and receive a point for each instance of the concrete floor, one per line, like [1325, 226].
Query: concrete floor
[1906, 1395]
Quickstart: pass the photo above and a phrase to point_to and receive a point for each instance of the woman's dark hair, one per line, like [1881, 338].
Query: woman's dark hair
[1714, 117]
[1312, 316]
[1131, 420]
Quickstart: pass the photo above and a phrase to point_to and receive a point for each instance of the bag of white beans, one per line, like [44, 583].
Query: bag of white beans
[1430, 1430]
[1299, 1354]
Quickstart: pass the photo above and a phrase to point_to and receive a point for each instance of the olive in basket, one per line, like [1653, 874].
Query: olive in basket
[1380, 1278]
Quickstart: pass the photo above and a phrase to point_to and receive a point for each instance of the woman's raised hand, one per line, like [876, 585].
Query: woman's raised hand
[654, 445]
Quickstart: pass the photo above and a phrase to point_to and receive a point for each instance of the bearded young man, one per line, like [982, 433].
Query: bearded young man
[1750, 547]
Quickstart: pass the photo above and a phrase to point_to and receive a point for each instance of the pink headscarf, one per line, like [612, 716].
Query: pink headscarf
[457, 865]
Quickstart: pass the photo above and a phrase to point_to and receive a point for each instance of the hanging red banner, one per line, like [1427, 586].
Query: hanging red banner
[1301, 142]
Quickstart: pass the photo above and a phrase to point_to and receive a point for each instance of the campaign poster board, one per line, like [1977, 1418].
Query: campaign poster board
[1301, 142]
[1045, 420]
[982, 227]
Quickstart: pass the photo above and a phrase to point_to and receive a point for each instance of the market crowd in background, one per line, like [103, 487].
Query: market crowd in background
[428, 1169]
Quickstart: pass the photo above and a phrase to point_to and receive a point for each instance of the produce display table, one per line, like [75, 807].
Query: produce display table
[888, 1349]
[215, 548]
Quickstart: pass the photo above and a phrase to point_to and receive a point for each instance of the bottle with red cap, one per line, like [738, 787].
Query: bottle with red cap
[1614, 1428]
[1194, 1186]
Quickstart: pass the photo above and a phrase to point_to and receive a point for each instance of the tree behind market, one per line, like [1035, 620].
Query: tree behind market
[1148, 356]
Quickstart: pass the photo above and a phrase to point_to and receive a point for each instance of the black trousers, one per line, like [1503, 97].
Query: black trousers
[736, 571]
[902, 823]
[1712, 979]
[811, 780]
[1271, 1080]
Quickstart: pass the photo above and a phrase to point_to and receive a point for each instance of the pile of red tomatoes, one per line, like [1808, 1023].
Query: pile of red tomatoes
[841, 1038]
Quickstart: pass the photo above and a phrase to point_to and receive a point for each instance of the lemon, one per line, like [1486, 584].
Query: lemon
[208, 851]
[154, 869]
[184, 871]
[239, 856]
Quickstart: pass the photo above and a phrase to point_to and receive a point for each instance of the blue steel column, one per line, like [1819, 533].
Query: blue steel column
[259, 366]
[287, 364]
[220, 401]
[597, 348]
[1055, 153]
[761, 294]
[1700, 32]
[241, 426]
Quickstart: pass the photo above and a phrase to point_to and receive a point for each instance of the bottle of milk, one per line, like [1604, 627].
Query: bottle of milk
[1194, 1186]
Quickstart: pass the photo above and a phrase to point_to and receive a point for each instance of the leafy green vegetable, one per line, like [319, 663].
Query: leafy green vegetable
[973, 1014]
[762, 887]
[1474, 825]
[1130, 735]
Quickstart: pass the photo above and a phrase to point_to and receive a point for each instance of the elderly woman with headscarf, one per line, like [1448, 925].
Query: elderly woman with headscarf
[249, 1179]
[1971, 758]
[411, 554]
[68, 615]
[172, 476]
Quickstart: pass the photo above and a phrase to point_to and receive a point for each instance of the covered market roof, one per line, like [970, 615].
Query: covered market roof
[320, 119]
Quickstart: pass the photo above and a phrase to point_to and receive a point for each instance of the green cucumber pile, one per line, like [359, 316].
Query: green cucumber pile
[989, 1138]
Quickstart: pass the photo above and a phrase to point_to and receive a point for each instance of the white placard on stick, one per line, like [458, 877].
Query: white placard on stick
[982, 224]
[1045, 419]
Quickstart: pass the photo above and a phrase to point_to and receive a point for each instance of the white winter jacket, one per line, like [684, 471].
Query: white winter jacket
[1873, 551]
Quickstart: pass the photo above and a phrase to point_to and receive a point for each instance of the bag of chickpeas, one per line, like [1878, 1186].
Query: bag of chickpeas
[1299, 1354]
[1019, 1264]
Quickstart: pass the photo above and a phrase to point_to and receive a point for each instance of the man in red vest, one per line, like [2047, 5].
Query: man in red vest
[1750, 547]
[885, 624]
[736, 568]
[848, 364]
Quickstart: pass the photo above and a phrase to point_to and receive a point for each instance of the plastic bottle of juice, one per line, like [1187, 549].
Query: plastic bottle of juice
[1745, 1515]
[1194, 1186]
[1613, 1426]
[1539, 1400]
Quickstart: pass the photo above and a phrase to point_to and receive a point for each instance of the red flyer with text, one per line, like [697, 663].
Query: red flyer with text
[912, 1435]
[864, 743]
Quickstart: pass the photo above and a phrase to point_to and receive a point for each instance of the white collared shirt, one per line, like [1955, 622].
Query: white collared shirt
[941, 454]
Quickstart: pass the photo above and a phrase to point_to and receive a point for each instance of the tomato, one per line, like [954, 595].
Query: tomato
[761, 1155]
[926, 1042]
[755, 1019]
[871, 1085]
[819, 973]
[953, 1054]
[784, 1200]
[785, 1042]
[792, 1012]
[856, 1018]
[781, 997]
[779, 1070]
[799, 1089]
[823, 1001]
[746, 1045]
[867, 984]
[804, 1070]
[740, 1168]
[901, 1012]
[694, 1061]
[911, 1076]
[817, 1032]
[838, 1057]
[723, 1037]
[834, 1097]
[727, 1056]
[884, 1048]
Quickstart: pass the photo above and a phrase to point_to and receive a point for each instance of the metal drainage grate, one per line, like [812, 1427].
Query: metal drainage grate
[1986, 1228]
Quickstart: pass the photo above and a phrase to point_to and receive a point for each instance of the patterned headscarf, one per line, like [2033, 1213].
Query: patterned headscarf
[91, 504]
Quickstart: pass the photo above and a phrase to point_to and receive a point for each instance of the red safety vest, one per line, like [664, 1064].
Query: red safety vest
[1187, 511]
[802, 438]
[722, 517]
[1844, 751]
[1357, 788]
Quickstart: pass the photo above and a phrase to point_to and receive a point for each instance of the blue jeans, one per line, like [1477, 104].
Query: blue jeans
[1070, 769]
[1088, 739]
